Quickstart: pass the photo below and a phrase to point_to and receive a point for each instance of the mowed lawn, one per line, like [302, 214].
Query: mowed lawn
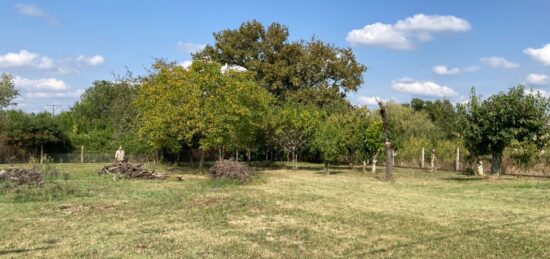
[283, 214]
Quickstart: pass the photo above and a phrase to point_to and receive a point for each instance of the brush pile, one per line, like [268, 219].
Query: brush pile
[231, 170]
[19, 176]
[130, 171]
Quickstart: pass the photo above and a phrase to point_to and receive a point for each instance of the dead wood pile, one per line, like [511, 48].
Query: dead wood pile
[130, 170]
[20, 176]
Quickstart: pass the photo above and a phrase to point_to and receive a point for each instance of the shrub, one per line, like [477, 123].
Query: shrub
[231, 170]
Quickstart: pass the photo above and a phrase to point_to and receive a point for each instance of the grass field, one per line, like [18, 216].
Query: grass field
[282, 214]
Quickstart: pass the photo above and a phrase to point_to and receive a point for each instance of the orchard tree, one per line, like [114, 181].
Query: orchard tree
[373, 142]
[294, 125]
[7, 90]
[178, 104]
[354, 122]
[330, 139]
[312, 72]
[495, 123]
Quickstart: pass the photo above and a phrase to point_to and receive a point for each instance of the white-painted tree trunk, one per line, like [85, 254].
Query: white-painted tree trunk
[374, 161]
[480, 168]
[432, 163]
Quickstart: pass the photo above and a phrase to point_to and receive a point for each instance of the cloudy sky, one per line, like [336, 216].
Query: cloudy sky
[428, 49]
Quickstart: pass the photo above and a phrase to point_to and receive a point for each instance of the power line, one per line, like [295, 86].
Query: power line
[53, 107]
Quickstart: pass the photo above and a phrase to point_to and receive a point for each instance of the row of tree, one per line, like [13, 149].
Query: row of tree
[275, 99]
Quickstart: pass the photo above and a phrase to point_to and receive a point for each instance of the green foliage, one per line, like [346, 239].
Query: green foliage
[495, 123]
[295, 124]
[313, 72]
[443, 115]
[176, 104]
[7, 90]
[104, 118]
[31, 131]
[374, 139]
[405, 123]
[330, 138]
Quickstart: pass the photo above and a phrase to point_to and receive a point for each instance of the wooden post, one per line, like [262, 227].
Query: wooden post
[237, 155]
[422, 159]
[457, 164]
[374, 161]
[82, 154]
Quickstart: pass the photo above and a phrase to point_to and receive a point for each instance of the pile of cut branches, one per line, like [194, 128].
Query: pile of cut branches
[131, 171]
[20, 176]
[231, 170]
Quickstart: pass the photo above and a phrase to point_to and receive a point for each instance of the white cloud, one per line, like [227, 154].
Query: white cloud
[378, 34]
[423, 88]
[76, 94]
[538, 79]
[90, 61]
[498, 62]
[34, 11]
[433, 23]
[25, 58]
[191, 47]
[444, 70]
[40, 84]
[542, 55]
[404, 33]
[369, 100]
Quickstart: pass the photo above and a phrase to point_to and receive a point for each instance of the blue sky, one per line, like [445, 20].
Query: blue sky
[428, 49]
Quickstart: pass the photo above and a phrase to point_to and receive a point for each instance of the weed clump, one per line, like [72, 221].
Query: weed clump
[232, 170]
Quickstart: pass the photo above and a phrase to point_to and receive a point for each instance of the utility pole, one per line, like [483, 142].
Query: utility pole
[53, 108]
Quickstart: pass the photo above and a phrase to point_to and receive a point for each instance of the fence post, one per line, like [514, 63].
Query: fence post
[457, 165]
[422, 159]
[82, 154]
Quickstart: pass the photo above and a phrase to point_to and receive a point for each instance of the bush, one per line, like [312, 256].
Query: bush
[231, 170]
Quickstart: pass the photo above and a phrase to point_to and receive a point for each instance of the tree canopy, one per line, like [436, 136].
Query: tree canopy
[493, 124]
[312, 72]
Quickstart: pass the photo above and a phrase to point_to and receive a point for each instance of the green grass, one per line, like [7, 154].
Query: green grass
[283, 214]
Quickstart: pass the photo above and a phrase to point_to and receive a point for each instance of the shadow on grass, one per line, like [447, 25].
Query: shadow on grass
[444, 237]
[463, 178]
[23, 250]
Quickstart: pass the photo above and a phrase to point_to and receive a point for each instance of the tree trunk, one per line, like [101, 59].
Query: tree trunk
[41, 153]
[364, 166]
[293, 154]
[432, 163]
[422, 159]
[389, 161]
[457, 163]
[237, 155]
[326, 167]
[202, 159]
[480, 168]
[496, 163]
[374, 161]
[249, 155]
[82, 154]
[220, 157]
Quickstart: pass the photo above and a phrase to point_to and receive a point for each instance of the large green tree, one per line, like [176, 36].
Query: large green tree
[222, 110]
[493, 124]
[313, 71]
[294, 126]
